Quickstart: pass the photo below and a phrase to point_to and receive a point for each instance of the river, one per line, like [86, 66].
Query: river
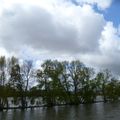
[96, 111]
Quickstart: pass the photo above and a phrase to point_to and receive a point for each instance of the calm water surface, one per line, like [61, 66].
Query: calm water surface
[98, 111]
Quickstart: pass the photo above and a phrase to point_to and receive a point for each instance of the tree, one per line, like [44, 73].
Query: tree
[16, 81]
[113, 90]
[66, 83]
[86, 85]
[75, 68]
[3, 97]
[44, 81]
[2, 70]
[50, 81]
[103, 78]
[27, 72]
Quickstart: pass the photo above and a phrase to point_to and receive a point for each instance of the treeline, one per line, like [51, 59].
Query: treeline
[56, 82]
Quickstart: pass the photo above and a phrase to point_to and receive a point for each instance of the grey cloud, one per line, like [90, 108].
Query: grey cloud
[103, 61]
[37, 28]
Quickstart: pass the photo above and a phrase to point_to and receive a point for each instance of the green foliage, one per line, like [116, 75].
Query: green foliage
[57, 82]
[113, 90]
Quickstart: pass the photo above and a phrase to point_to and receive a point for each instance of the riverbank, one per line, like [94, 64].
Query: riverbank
[38, 106]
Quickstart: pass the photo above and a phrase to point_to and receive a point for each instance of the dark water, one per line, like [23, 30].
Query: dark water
[98, 111]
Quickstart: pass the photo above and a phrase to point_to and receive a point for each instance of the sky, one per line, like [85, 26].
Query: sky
[87, 30]
[112, 13]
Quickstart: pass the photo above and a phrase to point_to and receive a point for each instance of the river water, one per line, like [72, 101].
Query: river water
[96, 111]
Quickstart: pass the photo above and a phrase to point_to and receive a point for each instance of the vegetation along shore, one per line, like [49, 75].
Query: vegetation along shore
[54, 82]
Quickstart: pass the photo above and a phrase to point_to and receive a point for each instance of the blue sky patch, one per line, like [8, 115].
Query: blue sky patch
[113, 13]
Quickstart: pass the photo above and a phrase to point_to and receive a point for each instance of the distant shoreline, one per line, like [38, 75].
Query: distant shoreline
[39, 106]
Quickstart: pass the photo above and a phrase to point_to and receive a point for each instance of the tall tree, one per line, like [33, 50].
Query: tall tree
[2, 81]
[2, 70]
[75, 69]
[103, 78]
[16, 81]
[88, 88]
[66, 82]
[27, 72]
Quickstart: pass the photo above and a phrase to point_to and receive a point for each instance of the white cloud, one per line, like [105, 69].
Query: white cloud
[102, 4]
[61, 27]
[108, 56]
[3, 52]
[61, 30]
[110, 40]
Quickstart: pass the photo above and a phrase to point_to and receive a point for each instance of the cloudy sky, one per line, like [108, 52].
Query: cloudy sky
[88, 30]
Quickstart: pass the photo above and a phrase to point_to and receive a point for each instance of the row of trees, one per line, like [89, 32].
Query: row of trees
[56, 82]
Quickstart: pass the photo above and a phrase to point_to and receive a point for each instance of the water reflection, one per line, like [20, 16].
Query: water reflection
[98, 111]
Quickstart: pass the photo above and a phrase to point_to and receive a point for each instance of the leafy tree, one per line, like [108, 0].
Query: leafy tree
[103, 78]
[88, 85]
[113, 90]
[3, 98]
[49, 80]
[16, 81]
[27, 72]
[75, 69]
[2, 70]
